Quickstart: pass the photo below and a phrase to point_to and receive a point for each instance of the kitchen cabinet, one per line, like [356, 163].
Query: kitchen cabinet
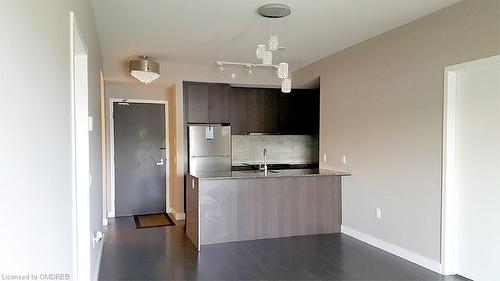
[218, 103]
[238, 111]
[253, 110]
[272, 112]
[207, 102]
[263, 111]
[256, 108]
[197, 102]
[301, 110]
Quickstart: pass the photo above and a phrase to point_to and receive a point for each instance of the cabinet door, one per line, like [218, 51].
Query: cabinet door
[238, 111]
[197, 102]
[306, 105]
[288, 114]
[218, 103]
[272, 112]
[256, 107]
[314, 112]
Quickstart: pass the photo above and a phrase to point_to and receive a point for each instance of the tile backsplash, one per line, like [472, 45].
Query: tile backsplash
[287, 149]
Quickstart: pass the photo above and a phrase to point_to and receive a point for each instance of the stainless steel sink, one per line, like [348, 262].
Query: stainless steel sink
[258, 172]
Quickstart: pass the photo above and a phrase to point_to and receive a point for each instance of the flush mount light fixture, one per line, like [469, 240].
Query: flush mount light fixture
[144, 69]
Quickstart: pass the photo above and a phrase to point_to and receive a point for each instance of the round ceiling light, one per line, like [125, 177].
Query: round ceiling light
[144, 69]
[274, 11]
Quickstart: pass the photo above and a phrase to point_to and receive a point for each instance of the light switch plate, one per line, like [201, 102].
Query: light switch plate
[344, 159]
[91, 123]
[324, 157]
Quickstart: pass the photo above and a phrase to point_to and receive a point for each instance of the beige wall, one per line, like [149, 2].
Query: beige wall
[381, 106]
[169, 87]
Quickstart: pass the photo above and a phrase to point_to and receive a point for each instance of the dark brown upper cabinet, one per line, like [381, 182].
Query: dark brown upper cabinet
[207, 102]
[238, 111]
[218, 103]
[305, 111]
[272, 113]
[257, 106]
[197, 102]
[253, 110]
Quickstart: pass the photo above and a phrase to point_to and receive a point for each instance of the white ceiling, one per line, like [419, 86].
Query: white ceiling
[199, 32]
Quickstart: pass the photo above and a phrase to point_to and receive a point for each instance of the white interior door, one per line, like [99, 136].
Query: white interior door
[477, 172]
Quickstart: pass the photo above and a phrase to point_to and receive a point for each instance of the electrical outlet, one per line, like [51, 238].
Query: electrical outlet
[379, 213]
[324, 157]
[343, 159]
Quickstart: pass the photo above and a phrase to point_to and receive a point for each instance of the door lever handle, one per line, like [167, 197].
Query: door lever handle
[161, 163]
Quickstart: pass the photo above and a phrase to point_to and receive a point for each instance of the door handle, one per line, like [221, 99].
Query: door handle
[161, 163]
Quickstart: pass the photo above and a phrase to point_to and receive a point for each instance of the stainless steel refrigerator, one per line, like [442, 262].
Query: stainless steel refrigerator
[209, 148]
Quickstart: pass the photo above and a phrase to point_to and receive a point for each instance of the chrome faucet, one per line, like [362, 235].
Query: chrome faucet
[264, 167]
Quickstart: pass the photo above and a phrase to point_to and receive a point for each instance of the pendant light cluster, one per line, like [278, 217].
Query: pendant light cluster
[273, 15]
[265, 53]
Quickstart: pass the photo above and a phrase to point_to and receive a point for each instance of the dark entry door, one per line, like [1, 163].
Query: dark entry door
[139, 138]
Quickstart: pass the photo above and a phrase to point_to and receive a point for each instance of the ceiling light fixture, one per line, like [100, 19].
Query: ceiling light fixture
[144, 69]
[272, 13]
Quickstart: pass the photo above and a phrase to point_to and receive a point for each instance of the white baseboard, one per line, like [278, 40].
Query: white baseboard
[178, 216]
[97, 265]
[393, 249]
[111, 214]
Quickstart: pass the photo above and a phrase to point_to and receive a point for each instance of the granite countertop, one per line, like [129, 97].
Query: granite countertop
[271, 174]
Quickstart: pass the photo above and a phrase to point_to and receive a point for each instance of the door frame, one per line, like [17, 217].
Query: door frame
[112, 152]
[80, 152]
[448, 195]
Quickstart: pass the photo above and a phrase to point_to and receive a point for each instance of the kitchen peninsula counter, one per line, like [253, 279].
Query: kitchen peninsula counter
[271, 174]
[248, 205]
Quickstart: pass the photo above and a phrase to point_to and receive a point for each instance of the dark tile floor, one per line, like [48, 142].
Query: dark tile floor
[165, 253]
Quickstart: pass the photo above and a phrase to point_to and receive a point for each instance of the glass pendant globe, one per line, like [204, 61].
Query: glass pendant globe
[261, 49]
[283, 70]
[273, 43]
[268, 58]
[286, 85]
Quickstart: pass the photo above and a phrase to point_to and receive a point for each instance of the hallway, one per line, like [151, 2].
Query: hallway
[165, 253]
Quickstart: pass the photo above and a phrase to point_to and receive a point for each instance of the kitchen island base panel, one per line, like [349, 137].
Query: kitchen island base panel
[260, 208]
